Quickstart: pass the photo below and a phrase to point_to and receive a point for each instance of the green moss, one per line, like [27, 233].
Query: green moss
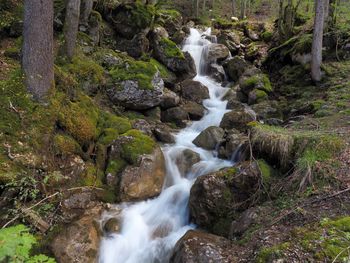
[140, 71]
[108, 120]
[65, 144]
[266, 171]
[260, 95]
[164, 72]
[92, 176]
[114, 167]
[229, 173]
[140, 144]
[141, 14]
[259, 81]
[222, 226]
[169, 13]
[171, 50]
[317, 104]
[267, 36]
[80, 119]
[107, 136]
[268, 254]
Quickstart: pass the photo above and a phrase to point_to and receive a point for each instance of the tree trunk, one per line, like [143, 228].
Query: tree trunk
[233, 7]
[71, 24]
[316, 53]
[37, 60]
[243, 9]
[86, 8]
[326, 15]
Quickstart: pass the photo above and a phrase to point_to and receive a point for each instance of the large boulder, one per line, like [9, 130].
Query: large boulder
[235, 67]
[170, 99]
[79, 241]
[201, 247]
[194, 91]
[144, 180]
[194, 110]
[163, 134]
[217, 52]
[135, 47]
[186, 160]
[217, 72]
[238, 119]
[216, 198]
[169, 54]
[209, 138]
[234, 146]
[175, 115]
[130, 94]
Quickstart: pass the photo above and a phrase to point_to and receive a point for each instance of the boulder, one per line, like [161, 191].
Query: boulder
[132, 96]
[160, 32]
[237, 119]
[201, 247]
[217, 72]
[144, 180]
[175, 115]
[230, 148]
[234, 104]
[179, 37]
[243, 222]
[171, 21]
[143, 126]
[231, 40]
[235, 67]
[217, 52]
[162, 133]
[216, 198]
[209, 138]
[186, 160]
[135, 47]
[194, 91]
[169, 100]
[79, 241]
[194, 110]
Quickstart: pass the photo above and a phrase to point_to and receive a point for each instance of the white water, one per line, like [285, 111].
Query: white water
[150, 229]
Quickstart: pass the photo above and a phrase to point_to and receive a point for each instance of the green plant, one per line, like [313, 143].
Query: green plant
[15, 246]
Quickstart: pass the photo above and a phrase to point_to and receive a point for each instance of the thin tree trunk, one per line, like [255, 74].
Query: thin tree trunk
[243, 8]
[86, 8]
[233, 7]
[316, 53]
[326, 15]
[37, 60]
[204, 6]
[71, 24]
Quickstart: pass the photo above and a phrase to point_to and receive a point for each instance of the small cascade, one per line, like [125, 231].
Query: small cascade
[168, 214]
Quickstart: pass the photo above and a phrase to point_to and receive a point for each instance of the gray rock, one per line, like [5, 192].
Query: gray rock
[169, 100]
[195, 111]
[175, 115]
[217, 52]
[237, 119]
[235, 67]
[186, 160]
[194, 91]
[209, 138]
[162, 133]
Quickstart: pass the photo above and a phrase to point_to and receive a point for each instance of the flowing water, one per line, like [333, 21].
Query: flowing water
[150, 229]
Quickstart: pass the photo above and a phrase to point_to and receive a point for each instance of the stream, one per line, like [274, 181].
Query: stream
[150, 229]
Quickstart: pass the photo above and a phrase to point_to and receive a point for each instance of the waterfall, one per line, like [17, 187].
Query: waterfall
[150, 229]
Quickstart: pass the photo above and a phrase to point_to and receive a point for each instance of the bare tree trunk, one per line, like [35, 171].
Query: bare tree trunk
[37, 60]
[86, 8]
[316, 53]
[233, 7]
[204, 6]
[243, 8]
[71, 24]
[326, 15]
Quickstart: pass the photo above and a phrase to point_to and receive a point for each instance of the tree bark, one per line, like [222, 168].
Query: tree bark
[86, 8]
[243, 9]
[37, 60]
[233, 7]
[71, 24]
[316, 53]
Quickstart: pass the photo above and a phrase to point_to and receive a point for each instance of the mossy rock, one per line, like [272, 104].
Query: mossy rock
[114, 167]
[267, 36]
[111, 126]
[140, 144]
[258, 81]
[65, 144]
[170, 49]
[80, 119]
[92, 176]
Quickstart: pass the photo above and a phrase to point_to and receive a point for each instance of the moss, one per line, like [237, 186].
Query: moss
[164, 72]
[260, 95]
[317, 104]
[259, 81]
[10, 13]
[169, 13]
[107, 136]
[114, 167]
[65, 144]
[65, 81]
[140, 71]
[269, 254]
[13, 52]
[80, 119]
[222, 226]
[108, 196]
[171, 50]
[92, 176]
[267, 36]
[266, 171]
[141, 14]
[229, 173]
[140, 144]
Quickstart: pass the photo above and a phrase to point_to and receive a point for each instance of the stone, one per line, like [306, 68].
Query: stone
[169, 100]
[112, 226]
[143, 126]
[243, 222]
[194, 110]
[235, 67]
[194, 91]
[80, 240]
[216, 72]
[217, 52]
[234, 146]
[143, 181]
[135, 47]
[162, 134]
[238, 119]
[186, 160]
[209, 138]
[175, 115]
[131, 96]
[201, 247]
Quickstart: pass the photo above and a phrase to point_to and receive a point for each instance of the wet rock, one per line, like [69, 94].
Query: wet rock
[131, 96]
[162, 133]
[231, 40]
[217, 72]
[234, 104]
[194, 91]
[195, 111]
[209, 138]
[144, 180]
[201, 247]
[217, 52]
[160, 32]
[175, 115]
[112, 226]
[186, 160]
[235, 67]
[233, 143]
[170, 99]
[237, 119]
[79, 241]
[171, 22]
[179, 37]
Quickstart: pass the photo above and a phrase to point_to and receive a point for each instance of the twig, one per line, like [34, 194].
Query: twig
[341, 252]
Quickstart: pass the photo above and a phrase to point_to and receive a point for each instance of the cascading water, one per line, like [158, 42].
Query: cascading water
[150, 229]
